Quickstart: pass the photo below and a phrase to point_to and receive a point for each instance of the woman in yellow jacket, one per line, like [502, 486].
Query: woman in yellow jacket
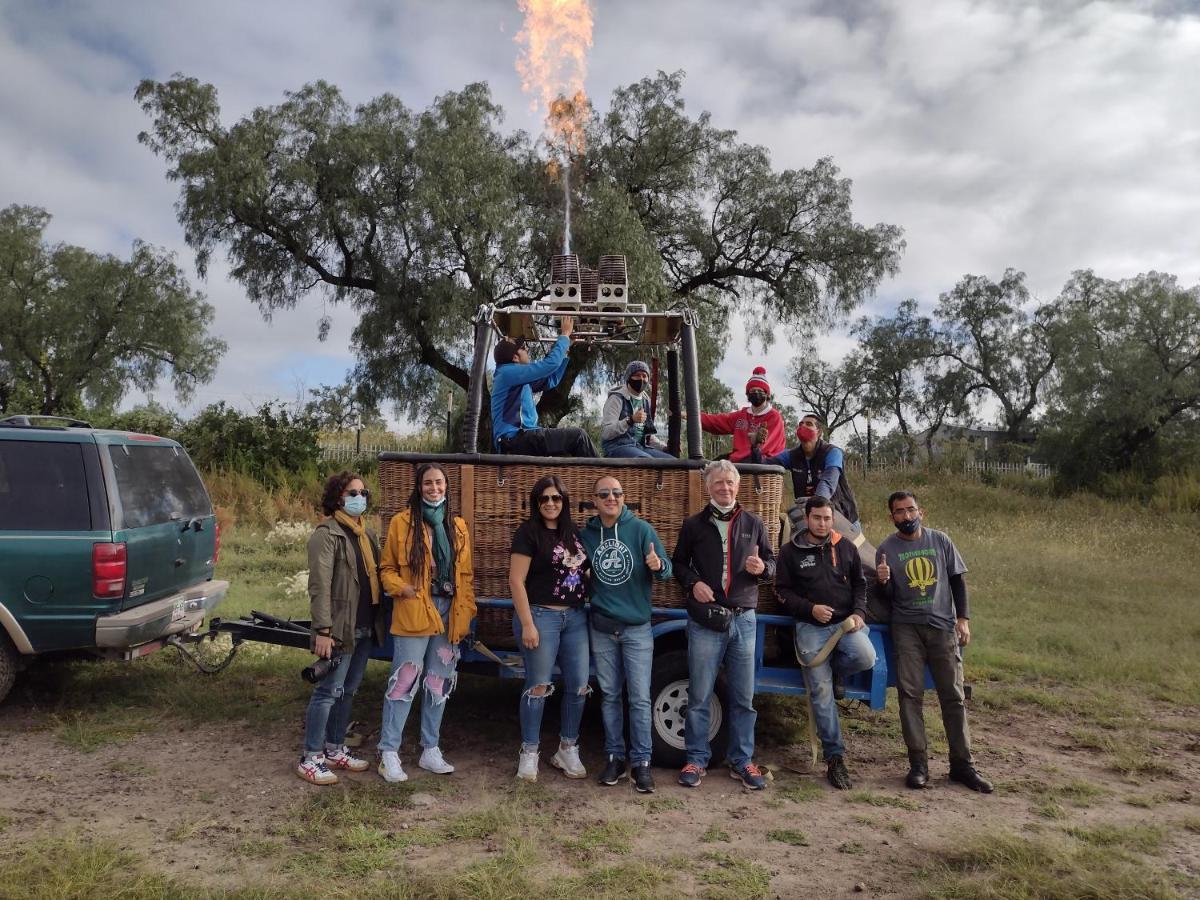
[428, 572]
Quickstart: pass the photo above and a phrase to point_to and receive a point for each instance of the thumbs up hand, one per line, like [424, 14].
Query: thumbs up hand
[754, 563]
[882, 572]
[653, 563]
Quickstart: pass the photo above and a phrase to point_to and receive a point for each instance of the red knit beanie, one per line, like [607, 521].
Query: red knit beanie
[758, 380]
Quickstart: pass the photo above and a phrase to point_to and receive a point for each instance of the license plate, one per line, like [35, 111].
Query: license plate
[180, 611]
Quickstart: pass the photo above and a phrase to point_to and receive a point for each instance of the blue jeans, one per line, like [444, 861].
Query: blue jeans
[438, 659]
[328, 714]
[562, 636]
[635, 451]
[625, 660]
[852, 654]
[707, 649]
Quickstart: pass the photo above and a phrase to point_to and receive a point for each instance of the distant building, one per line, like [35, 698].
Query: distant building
[978, 443]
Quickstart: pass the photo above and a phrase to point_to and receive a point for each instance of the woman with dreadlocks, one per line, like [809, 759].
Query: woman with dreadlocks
[428, 572]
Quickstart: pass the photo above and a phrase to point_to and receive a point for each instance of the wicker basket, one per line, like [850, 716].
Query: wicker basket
[492, 493]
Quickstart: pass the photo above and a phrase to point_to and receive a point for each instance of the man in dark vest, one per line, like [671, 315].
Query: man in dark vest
[818, 470]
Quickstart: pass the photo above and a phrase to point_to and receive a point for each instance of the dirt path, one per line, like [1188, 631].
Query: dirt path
[218, 805]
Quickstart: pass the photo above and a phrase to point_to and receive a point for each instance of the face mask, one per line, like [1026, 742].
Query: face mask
[637, 385]
[806, 433]
[434, 504]
[355, 506]
[723, 509]
[756, 398]
[909, 526]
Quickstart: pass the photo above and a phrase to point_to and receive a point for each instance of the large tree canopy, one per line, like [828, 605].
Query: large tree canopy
[78, 325]
[1129, 374]
[417, 218]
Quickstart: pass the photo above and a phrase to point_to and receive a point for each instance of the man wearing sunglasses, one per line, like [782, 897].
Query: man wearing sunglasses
[625, 554]
[514, 413]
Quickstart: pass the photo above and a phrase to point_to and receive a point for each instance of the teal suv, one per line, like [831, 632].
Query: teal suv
[107, 542]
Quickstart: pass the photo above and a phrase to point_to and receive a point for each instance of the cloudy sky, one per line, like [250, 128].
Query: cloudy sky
[1046, 137]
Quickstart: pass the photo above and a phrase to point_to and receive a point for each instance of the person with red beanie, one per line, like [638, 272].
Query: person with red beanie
[757, 426]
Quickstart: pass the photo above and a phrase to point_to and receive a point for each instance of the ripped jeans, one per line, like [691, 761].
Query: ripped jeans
[328, 714]
[437, 659]
[562, 636]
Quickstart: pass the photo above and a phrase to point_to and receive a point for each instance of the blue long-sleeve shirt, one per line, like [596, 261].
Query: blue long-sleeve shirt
[514, 385]
[827, 479]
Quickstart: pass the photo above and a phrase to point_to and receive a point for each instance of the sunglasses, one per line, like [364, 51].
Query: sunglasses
[549, 498]
[364, 492]
[605, 493]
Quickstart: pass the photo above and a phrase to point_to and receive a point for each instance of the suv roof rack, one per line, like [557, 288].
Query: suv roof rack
[57, 422]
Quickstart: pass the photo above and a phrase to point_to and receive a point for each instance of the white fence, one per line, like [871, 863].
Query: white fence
[348, 452]
[968, 467]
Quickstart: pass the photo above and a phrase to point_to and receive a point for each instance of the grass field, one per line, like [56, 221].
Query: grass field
[1084, 623]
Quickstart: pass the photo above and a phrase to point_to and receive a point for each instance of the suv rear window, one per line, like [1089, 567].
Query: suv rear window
[157, 484]
[43, 487]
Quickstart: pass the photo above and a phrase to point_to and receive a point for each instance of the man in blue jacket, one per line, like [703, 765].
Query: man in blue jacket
[514, 414]
[625, 553]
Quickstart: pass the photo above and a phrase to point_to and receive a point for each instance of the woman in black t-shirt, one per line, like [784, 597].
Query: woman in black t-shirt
[546, 577]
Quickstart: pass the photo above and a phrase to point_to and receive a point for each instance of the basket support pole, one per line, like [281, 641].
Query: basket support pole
[469, 438]
[691, 385]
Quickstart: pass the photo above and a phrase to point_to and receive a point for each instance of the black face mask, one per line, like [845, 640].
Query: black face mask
[637, 385]
[909, 526]
[756, 398]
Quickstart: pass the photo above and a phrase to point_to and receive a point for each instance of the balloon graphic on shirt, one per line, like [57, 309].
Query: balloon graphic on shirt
[612, 563]
[921, 572]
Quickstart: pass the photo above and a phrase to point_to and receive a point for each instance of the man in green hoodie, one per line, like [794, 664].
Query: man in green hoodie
[625, 554]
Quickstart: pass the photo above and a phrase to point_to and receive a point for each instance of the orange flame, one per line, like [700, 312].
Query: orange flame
[553, 64]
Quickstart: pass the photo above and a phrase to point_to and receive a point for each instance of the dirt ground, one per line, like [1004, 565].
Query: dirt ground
[192, 800]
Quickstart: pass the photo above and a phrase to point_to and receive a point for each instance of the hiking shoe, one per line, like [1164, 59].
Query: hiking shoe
[692, 775]
[527, 765]
[642, 779]
[341, 759]
[432, 761]
[837, 774]
[613, 772]
[313, 770]
[390, 768]
[749, 776]
[917, 777]
[567, 759]
[968, 777]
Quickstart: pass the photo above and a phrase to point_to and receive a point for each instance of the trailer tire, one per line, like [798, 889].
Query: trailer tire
[668, 706]
[9, 662]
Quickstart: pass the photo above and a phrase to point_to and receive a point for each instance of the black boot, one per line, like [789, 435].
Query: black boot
[918, 774]
[968, 777]
[643, 781]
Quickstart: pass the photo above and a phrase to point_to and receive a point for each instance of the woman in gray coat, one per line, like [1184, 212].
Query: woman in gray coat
[344, 593]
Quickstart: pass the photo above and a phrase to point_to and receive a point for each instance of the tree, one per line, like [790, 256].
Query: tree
[837, 394]
[342, 407]
[417, 218]
[1128, 377]
[998, 346]
[78, 325]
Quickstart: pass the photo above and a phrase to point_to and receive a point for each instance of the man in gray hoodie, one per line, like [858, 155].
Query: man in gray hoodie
[626, 426]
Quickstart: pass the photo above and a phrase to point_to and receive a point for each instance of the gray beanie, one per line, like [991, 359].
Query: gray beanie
[636, 366]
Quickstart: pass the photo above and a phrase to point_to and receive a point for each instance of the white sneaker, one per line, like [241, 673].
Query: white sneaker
[340, 758]
[567, 759]
[313, 770]
[390, 768]
[433, 761]
[527, 765]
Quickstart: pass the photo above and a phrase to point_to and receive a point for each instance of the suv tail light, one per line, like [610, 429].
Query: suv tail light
[108, 571]
[217, 546]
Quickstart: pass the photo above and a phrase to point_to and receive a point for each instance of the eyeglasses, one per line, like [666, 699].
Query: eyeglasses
[549, 498]
[364, 492]
[605, 493]
[905, 511]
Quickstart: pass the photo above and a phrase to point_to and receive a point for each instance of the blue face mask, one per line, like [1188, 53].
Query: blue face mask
[355, 506]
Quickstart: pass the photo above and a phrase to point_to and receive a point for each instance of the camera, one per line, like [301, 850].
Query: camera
[320, 669]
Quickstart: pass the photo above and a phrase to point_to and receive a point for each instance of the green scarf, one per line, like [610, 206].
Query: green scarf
[436, 517]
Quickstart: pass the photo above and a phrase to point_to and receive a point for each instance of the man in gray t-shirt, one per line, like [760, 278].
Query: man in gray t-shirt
[920, 572]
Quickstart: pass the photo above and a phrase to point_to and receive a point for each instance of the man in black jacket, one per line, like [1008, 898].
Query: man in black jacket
[820, 581]
[722, 555]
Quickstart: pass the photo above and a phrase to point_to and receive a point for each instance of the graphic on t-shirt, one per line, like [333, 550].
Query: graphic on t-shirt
[922, 572]
[612, 563]
[572, 575]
